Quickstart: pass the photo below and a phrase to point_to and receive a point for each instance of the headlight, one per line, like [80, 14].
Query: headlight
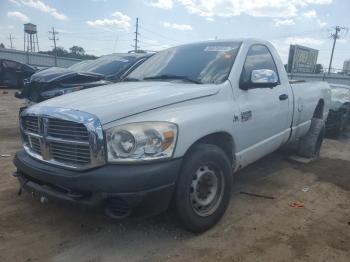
[141, 141]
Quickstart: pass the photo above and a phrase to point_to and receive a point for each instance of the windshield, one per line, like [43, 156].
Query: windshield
[205, 63]
[106, 65]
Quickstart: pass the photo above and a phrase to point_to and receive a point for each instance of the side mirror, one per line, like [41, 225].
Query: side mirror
[264, 78]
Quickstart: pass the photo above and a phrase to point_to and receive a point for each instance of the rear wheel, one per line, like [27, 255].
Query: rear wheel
[310, 144]
[204, 187]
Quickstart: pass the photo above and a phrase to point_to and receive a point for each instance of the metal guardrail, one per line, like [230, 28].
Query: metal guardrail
[331, 78]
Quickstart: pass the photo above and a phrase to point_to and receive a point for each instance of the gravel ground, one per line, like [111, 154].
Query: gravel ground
[253, 229]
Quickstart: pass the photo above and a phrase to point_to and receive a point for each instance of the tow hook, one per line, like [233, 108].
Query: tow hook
[43, 199]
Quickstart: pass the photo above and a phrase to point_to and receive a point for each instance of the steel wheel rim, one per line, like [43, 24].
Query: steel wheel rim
[206, 190]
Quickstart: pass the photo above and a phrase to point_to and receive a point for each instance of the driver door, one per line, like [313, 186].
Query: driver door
[264, 123]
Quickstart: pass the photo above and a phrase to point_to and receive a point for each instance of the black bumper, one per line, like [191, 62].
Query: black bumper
[128, 189]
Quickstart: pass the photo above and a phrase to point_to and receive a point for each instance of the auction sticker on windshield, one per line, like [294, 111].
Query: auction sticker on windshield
[218, 48]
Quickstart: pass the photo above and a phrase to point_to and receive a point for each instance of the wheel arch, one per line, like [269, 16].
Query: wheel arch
[222, 139]
[318, 113]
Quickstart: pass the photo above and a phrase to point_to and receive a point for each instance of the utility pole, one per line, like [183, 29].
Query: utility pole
[136, 35]
[11, 38]
[335, 36]
[54, 38]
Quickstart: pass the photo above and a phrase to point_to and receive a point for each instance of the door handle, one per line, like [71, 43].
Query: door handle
[283, 97]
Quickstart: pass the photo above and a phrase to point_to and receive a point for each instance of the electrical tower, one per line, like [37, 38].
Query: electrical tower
[136, 36]
[335, 36]
[54, 38]
[31, 43]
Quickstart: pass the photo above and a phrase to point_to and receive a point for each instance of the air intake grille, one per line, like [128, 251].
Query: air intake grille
[57, 140]
[67, 130]
[34, 144]
[31, 124]
[70, 153]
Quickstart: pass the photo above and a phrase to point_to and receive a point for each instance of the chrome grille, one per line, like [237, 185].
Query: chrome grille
[69, 138]
[67, 130]
[34, 144]
[31, 124]
[70, 153]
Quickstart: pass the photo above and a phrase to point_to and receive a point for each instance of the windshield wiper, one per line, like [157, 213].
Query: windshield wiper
[131, 79]
[164, 77]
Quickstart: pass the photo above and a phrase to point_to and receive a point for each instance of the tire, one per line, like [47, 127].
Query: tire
[203, 188]
[310, 144]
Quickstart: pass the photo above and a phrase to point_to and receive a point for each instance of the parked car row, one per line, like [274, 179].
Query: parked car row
[171, 135]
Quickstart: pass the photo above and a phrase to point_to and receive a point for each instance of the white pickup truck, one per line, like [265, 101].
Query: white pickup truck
[173, 134]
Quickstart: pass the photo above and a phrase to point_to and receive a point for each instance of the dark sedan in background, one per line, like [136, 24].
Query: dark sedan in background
[57, 81]
[338, 122]
[13, 73]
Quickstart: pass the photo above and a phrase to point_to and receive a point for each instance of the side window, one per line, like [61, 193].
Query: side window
[258, 57]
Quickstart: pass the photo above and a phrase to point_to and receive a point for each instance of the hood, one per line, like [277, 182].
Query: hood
[54, 74]
[116, 101]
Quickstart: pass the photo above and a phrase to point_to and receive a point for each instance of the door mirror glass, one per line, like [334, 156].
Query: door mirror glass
[264, 78]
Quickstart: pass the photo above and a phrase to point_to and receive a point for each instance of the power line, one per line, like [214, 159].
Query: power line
[160, 35]
[335, 36]
[54, 38]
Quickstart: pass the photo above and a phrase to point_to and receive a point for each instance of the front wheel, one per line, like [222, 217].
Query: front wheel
[204, 187]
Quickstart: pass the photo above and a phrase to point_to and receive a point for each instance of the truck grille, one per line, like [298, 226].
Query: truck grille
[31, 124]
[62, 142]
[34, 143]
[70, 153]
[67, 130]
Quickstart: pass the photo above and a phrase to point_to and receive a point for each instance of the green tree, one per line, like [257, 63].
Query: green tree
[77, 50]
[319, 69]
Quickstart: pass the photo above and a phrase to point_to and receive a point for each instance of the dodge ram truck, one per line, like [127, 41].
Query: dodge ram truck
[171, 136]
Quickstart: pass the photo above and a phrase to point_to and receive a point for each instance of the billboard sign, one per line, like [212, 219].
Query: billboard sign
[302, 59]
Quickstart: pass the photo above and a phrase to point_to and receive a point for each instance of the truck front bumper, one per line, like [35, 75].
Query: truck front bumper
[121, 190]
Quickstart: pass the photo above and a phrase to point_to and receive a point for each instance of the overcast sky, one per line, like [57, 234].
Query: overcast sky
[107, 26]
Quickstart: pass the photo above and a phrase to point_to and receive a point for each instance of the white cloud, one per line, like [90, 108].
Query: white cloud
[163, 4]
[179, 27]
[18, 15]
[15, 2]
[119, 21]
[259, 8]
[310, 14]
[321, 23]
[41, 6]
[313, 15]
[283, 22]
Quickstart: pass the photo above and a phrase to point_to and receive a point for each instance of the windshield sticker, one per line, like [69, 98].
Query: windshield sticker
[121, 60]
[218, 48]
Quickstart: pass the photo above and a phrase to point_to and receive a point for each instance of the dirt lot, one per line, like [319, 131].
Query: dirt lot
[253, 229]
